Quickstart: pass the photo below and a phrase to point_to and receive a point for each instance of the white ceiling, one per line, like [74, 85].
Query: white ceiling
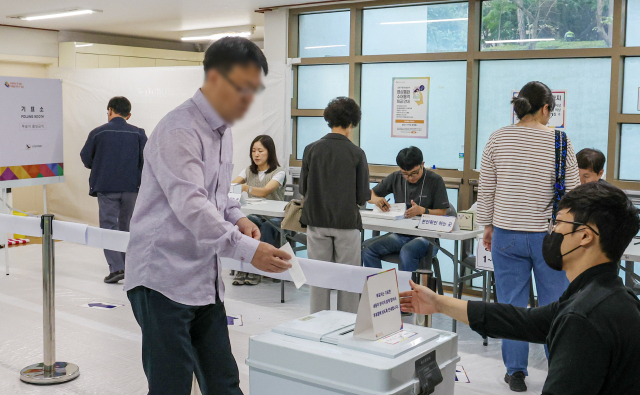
[161, 19]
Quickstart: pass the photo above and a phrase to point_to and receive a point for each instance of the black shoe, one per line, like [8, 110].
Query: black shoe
[114, 277]
[516, 381]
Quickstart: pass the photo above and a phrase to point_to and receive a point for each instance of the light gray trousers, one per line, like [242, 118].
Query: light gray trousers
[334, 245]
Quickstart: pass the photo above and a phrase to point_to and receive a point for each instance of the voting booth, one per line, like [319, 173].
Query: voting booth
[319, 355]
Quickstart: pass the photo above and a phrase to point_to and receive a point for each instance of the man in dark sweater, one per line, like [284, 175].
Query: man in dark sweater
[113, 152]
[592, 331]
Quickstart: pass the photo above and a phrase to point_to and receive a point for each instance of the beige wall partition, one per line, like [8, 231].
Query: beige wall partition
[552, 44]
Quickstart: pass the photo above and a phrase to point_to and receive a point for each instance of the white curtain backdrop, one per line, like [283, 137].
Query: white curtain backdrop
[153, 92]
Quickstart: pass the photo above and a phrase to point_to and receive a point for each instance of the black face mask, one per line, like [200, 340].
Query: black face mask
[552, 249]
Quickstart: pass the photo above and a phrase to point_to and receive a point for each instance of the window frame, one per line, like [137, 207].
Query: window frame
[467, 180]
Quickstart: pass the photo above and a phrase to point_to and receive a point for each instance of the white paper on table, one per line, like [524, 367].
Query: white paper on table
[28, 226]
[296, 273]
[70, 231]
[393, 208]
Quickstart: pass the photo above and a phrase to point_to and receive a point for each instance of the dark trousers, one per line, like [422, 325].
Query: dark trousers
[180, 340]
[116, 210]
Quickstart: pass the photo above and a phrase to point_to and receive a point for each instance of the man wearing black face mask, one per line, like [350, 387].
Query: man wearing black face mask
[592, 332]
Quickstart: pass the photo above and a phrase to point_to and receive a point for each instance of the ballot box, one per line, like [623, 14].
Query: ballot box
[318, 355]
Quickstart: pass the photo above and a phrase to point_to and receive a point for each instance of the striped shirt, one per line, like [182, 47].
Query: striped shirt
[517, 178]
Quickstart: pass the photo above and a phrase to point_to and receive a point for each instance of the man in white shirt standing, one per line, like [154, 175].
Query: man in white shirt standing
[184, 222]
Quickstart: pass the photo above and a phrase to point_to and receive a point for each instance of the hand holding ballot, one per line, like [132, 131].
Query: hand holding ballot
[270, 259]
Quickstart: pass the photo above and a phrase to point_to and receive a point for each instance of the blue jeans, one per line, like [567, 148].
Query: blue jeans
[411, 248]
[514, 255]
[270, 234]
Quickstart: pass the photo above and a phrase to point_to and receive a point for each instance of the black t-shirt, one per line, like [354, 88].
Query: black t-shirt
[591, 332]
[429, 192]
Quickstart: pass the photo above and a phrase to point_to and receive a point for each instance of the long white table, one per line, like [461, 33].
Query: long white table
[272, 208]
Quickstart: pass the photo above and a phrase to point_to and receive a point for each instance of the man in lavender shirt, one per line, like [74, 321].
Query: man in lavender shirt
[184, 222]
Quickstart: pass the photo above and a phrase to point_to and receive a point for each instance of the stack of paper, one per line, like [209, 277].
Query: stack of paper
[395, 212]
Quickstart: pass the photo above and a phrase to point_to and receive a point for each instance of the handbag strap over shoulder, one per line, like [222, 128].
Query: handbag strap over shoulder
[560, 168]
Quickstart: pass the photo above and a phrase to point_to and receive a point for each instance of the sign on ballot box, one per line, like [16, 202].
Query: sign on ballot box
[438, 223]
[379, 309]
[483, 257]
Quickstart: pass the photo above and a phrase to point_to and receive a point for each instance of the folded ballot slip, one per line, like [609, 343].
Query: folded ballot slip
[296, 273]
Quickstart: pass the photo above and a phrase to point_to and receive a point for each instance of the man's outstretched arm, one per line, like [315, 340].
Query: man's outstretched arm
[490, 319]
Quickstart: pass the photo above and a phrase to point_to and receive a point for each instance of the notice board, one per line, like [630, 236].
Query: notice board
[31, 151]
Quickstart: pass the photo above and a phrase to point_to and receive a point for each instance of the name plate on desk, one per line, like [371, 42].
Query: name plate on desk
[379, 308]
[438, 223]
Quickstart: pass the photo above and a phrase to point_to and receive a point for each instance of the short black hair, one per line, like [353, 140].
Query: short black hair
[342, 112]
[591, 159]
[609, 209]
[532, 97]
[227, 52]
[120, 105]
[272, 157]
[408, 158]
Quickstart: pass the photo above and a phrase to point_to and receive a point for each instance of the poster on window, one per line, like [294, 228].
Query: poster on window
[559, 114]
[410, 112]
[30, 131]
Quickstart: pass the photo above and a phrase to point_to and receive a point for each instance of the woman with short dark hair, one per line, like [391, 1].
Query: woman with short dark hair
[515, 202]
[264, 178]
[334, 180]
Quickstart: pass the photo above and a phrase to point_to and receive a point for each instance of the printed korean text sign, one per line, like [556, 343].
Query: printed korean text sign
[410, 107]
[379, 308]
[437, 223]
[30, 129]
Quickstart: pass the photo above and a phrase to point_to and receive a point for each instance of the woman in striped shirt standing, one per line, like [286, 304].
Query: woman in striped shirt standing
[515, 197]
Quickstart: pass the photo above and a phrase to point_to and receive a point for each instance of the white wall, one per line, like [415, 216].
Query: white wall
[276, 39]
[28, 42]
[153, 92]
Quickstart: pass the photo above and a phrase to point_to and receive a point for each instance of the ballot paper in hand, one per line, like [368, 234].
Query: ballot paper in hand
[296, 271]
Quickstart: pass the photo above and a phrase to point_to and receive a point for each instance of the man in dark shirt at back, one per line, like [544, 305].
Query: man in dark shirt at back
[592, 332]
[113, 152]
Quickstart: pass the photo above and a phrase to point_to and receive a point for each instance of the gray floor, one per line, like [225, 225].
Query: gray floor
[106, 344]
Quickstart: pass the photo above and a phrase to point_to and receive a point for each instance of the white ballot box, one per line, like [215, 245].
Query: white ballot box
[318, 355]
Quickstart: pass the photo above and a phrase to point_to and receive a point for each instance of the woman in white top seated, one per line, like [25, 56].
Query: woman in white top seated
[263, 179]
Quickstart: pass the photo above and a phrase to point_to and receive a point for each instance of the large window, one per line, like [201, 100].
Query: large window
[317, 85]
[476, 54]
[629, 152]
[585, 82]
[509, 25]
[631, 89]
[325, 34]
[310, 129]
[633, 23]
[446, 101]
[415, 29]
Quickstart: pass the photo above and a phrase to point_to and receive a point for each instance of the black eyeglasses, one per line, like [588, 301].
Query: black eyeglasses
[243, 91]
[554, 222]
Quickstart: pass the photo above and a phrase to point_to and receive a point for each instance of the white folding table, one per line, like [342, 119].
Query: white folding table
[274, 208]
